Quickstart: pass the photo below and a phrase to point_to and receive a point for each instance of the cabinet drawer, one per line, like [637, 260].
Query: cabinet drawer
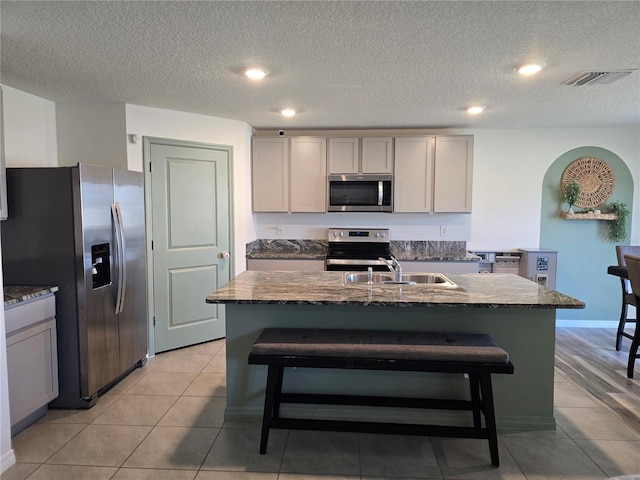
[29, 313]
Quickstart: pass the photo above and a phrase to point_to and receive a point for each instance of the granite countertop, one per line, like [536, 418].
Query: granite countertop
[14, 294]
[327, 288]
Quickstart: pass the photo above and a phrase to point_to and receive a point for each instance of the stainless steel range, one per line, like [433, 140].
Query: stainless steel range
[357, 249]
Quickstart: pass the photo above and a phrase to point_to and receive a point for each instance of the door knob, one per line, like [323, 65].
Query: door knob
[224, 255]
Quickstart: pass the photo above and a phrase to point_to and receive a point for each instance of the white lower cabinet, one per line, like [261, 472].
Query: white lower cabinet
[440, 266]
[32, 360]
[285, 265]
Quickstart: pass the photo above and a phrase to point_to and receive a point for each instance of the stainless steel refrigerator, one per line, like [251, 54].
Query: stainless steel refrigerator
[82, 228]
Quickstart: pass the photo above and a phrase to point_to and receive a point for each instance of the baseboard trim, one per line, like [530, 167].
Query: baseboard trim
[7, 460]
[587, 323]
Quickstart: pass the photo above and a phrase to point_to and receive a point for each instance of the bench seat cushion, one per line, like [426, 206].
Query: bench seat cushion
[380, 344]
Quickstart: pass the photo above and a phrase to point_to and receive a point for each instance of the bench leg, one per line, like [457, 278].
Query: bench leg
[489, 417]
[273, 374]
[277, 394]
[474, 388]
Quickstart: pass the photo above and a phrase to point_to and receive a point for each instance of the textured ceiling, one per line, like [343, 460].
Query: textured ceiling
[347, 64]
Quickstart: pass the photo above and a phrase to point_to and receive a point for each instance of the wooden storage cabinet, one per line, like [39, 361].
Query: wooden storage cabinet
[377, 155]
[344, 155]
[361, 155]
[289, 175]
[308, 174]
[270, 174]
[433, 174]
[413, 189]
[453, 174]
[32, 360]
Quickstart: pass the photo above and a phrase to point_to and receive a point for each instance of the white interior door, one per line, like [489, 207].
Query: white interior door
[190, 203]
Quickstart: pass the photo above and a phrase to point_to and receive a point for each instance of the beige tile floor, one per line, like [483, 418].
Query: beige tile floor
[165, 421]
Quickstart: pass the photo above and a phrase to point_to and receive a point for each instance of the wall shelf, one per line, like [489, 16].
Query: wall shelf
[588, 216]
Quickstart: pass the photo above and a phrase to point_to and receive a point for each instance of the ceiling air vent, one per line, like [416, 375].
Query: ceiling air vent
[596, 78]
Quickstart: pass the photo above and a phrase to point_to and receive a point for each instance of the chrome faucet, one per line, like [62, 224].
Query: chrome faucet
[396, 270]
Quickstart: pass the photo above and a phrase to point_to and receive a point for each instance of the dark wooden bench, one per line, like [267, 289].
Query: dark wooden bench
[476, 355]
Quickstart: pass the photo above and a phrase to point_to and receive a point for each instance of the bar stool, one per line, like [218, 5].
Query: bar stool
[633, 269]
[627, 297]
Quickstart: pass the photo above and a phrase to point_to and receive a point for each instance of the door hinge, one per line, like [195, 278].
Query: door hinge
[149, 167]
[151, 244]
[154, 320]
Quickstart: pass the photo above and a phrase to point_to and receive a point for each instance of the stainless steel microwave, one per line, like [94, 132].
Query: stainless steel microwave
[360, 193]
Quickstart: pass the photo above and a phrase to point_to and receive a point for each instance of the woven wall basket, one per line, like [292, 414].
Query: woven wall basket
[595, 178]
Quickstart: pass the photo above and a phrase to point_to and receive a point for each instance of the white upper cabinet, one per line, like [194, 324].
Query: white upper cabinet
[453, 174]
[308, 174]
[377, 155]
[270, 174]
[433, 174]
[344, 155]
[289, 175]
[374, 156]
[413, 180]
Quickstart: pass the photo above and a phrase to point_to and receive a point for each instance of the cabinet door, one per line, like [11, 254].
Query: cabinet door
[413, 177]
[308, 174]
[344, 155]
[453, 174]
[285, 265]
[32, 369]
[377, 155]
[270, 174]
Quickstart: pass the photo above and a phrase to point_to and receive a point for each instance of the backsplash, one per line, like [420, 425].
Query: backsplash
[402, 249]
[279, 248]
[428, 249]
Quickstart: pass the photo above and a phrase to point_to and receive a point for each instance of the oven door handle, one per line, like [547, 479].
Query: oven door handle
[344, 261]
[380, 193]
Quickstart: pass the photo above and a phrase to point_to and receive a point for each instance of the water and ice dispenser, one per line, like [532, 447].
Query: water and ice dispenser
[101, 270]
[539, 265]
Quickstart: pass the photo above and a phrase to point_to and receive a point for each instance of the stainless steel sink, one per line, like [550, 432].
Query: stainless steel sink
[364, 277]
[430, 279]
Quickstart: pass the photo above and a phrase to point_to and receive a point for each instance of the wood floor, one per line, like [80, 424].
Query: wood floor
[588, 358]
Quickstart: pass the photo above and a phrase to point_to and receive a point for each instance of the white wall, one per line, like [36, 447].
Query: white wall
[509, 167]
[29, 130]
[92, 133]
[154, 122]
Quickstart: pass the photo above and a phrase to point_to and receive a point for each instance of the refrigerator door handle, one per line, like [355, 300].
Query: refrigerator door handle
[119, 256]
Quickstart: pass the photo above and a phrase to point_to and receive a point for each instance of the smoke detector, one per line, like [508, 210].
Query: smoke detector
[596, 78]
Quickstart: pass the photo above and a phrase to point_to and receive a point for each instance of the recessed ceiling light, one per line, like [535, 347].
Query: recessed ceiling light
[529, 68]
[255, 73]
[288, 112]
[475, 110]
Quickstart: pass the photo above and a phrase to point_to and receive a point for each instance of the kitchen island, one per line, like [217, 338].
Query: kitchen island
[517, 313]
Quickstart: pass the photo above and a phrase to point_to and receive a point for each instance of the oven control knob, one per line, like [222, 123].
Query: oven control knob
[342, 234]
